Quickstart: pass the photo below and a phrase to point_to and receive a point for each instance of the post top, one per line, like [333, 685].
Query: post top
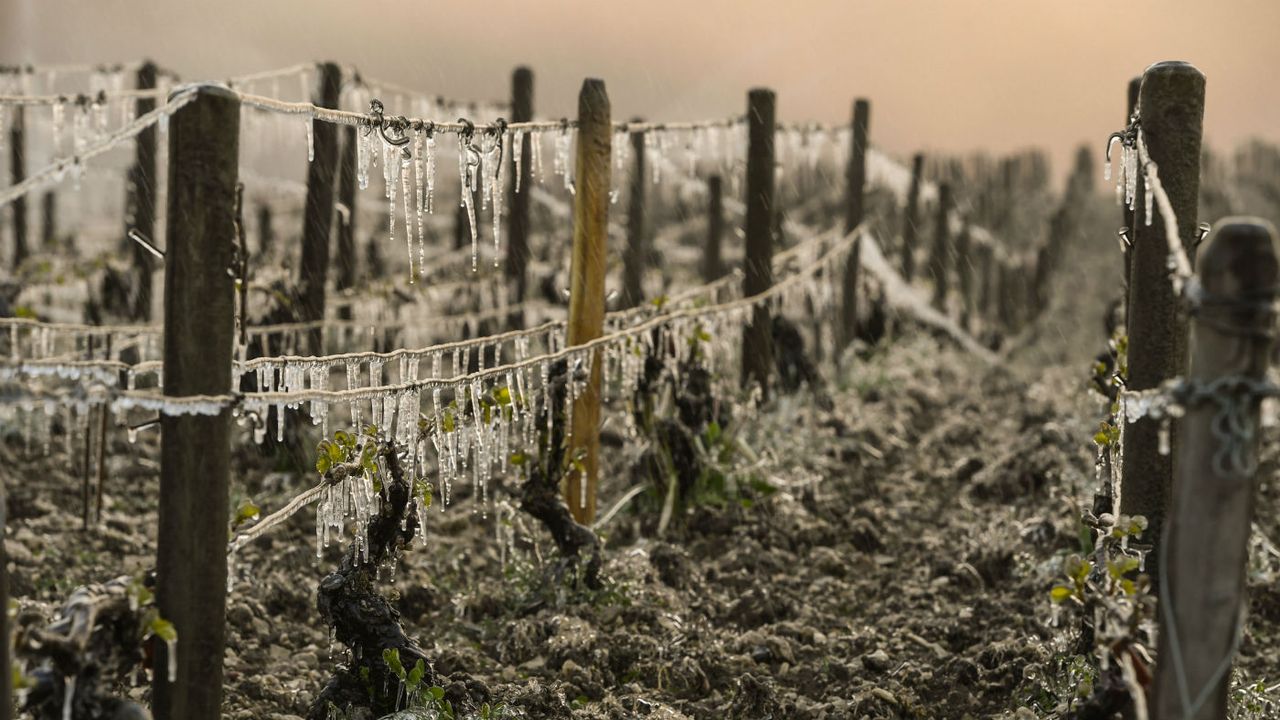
[523, 71]
[1244, 248]
[1172, 67]
[760, 92]
[593, 101]
[212, 89]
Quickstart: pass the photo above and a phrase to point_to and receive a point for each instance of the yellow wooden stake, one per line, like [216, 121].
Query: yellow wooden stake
[586, 288]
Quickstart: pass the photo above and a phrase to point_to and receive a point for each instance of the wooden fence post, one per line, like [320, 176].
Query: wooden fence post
[6, 678]
[141, 199]
[1204, 552]
[987, 285]
[593, 167]
[518, 202]
[757, 338]
[940, 256]
[1040, 285]
[855, 186]
[911, 220]
[1007, 298]
[1135, 86]
[318, 221]
[18, 173]
[266, 234]
[49, 221]
[191, 553]
[712, 266]
[347, 183]
[965, 271]
[634, 255]
[1172, 107]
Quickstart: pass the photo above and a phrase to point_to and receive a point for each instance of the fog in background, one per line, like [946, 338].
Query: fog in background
[949, 75]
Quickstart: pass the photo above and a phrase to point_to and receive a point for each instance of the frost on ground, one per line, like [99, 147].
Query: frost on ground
[895, 561]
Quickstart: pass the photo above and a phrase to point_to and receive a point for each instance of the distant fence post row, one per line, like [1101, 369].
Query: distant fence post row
[198, 304]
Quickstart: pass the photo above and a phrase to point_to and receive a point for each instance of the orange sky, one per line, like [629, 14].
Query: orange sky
[941, 74]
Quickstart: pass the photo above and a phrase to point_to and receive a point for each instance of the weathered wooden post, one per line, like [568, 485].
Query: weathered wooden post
[757, 338]
[48, 220]
[586, 285]
[1040, 285]
[1135, 86]
[1204, 551]
[940, 255]
[855, 185]
[6, 678]
[1007, 299]
[712, 267]
[141, 200]
[266, 233]
[18, 173]
[911, 220]
[347, 183]
[1172, 107]
[191, 552]
[965, 272]
[634, 255]
[988, 289]
[318, 221]
[518, 202]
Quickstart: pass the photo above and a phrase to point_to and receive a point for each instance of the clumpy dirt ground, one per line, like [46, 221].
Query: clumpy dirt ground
[901, 569]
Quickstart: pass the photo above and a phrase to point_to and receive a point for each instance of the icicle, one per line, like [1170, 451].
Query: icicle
[171, 650]
[499, 178]
[405, 159]
[353, 375]
[363, 151]
[79, 128]
[535, 138]
[69, 695]
[468, 159]
[419, 199]
[563, 162]
[431, 173]
[57, 127]
[517, 152]
[311, 140]
[1149, 193]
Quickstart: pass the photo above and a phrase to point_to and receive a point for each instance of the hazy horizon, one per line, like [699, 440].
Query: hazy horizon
[944, 75]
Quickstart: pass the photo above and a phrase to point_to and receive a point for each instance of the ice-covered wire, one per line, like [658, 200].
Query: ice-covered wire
[290, 71]
[276, 518]
[838, 249]
[1180, 264]
[54, 172]
[355, 119]
[101, 96]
